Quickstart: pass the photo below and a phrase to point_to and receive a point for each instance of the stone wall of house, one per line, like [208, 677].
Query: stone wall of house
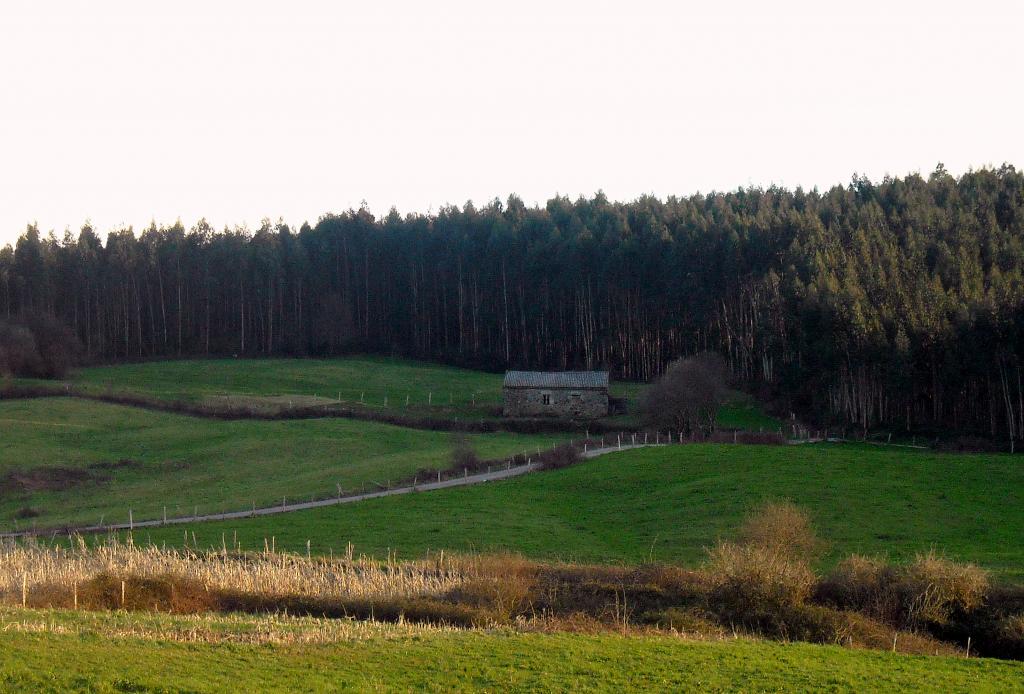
[577, 404]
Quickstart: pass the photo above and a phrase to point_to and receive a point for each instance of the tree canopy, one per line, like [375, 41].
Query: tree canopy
[897, 302]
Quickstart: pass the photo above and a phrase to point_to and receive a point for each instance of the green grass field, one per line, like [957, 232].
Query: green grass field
[117, 652]
[357, 381]
[741, 411]
[365, 379]
[183, 462]
[670, 503]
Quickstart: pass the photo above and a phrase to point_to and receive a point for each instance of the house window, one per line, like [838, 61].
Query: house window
[545, 398]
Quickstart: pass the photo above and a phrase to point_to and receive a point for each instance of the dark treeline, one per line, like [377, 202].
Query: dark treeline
[895, 303]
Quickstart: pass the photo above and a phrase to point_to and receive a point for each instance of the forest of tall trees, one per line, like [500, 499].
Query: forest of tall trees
[896, 303]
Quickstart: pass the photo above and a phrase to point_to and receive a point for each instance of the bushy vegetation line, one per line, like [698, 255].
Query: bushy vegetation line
[762, 584]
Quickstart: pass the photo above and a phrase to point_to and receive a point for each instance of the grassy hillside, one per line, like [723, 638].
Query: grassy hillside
[379, 383]
[357, 381]
[66, 651]
[668, 504]
[66, 454]
[367, 379]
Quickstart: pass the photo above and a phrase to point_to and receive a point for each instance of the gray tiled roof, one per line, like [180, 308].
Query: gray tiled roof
[556, 379]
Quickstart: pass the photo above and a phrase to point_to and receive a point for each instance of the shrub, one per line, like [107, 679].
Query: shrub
[18, 353]
[504, 596]
[1010, 637]
[753, 583]
[560, 457]
[463, 456]
[37, 346]
[926, 592]
[864, 584]
[782, 528]
[936, 587]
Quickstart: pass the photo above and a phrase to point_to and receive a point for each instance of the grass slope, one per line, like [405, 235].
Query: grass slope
[98, 656]
[431, 388]
[183, 462]
[370, 379]
[669, 503]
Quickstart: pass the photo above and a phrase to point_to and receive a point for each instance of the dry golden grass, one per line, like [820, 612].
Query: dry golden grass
[782, 528]
[749, 589]
[278, 629]
[25, 567]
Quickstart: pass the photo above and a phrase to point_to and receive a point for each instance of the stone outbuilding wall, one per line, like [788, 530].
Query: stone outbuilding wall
[573, 394]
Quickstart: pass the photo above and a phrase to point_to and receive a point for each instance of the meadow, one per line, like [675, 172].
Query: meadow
[374, 383]
[669, 504]
[53, 650]
[66, 460]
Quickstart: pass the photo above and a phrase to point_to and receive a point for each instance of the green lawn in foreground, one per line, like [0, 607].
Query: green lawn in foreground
[183, 462]
[101, 658]
[670, 503]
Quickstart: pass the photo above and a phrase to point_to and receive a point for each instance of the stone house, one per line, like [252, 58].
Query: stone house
[570, 394]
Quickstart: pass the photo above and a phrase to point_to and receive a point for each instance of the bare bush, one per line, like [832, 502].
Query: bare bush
[783, 528]
[927, 591]
[463, 455]
[18, 353]
[1011, 636]
[687, 396]
[865, 584]
[37, 347]
[749, 581]
[936, 587]
[560, 457]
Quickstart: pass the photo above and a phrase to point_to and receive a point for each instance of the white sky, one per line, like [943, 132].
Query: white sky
[125, 112]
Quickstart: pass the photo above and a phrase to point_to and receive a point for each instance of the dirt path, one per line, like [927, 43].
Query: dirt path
[466, 480]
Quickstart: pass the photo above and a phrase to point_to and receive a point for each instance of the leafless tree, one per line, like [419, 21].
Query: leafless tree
[687, 396]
